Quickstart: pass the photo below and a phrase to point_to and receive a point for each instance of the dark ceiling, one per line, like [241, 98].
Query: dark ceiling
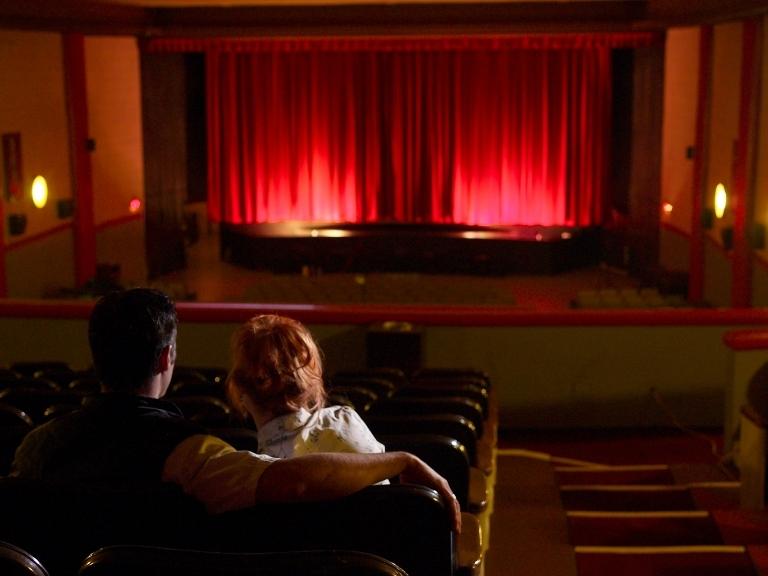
[369, 16]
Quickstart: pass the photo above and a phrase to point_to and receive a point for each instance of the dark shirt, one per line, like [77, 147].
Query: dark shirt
[114, 440]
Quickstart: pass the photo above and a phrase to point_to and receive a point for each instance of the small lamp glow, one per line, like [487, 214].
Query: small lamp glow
[721, 199]
[667, 208]
[134, 205]
[39, 192]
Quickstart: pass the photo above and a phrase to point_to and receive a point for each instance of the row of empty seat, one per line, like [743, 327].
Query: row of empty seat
[129, 560]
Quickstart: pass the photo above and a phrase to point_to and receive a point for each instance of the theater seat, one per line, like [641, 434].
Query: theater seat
[434, 405]
[156, 561]
[36, 401]
[451, 425]
[445, 455]
[191, 382]
[381, 387]
[15, 561]
[361, 399]
[28, 368]
[205, 410]
[408, 525]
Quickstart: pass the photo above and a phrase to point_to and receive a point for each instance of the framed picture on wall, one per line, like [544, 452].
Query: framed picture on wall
[12, 175]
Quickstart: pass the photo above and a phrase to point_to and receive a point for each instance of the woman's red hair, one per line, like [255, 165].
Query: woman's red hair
[276, 362]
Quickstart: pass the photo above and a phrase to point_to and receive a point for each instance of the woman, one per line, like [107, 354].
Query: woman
[277, 380]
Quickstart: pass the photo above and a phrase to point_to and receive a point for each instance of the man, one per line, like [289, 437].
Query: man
[128, 437]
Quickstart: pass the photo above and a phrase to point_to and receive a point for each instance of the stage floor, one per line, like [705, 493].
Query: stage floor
[209, 278]
[394, 247]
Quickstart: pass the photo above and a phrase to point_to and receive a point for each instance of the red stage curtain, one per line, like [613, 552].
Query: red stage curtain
[340, 130]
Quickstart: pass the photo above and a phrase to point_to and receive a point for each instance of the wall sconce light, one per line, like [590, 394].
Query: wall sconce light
[666, 208]
[39, 192]
[721, 200]
[17, 224]
[134, 205]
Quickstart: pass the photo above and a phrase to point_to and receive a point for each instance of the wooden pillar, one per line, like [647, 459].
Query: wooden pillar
[77, 107]
[744, 167]
[703, 101]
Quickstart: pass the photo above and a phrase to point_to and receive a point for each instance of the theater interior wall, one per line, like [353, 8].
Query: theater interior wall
[569, 371]
[543, 378]
[34, 105]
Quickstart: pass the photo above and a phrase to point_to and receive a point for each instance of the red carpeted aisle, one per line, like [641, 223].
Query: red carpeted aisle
[558, 516]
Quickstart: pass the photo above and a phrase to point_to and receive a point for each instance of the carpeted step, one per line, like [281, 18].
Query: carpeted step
[664, 560]
[645, 474]
[590, 528]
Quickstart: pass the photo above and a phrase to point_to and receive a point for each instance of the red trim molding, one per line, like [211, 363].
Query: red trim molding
[33, 238]
[746, 339]
[115, 222]
[675, 229]
[460, 316]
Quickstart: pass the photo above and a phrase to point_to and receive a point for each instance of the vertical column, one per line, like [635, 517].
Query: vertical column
[743, 177]
[696, 274]
[77, 107]
[3, 280]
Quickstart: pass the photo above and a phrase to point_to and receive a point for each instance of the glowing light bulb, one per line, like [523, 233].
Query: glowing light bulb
[667, 208]
[721, 200]
[39, 192]
[134, 205]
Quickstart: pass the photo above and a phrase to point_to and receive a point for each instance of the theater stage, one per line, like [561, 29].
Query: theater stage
[408, 247]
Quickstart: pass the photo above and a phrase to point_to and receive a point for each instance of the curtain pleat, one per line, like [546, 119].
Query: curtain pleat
[503, 135]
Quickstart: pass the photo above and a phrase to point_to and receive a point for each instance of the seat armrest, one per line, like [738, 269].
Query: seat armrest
[478, 490]
[470, 543]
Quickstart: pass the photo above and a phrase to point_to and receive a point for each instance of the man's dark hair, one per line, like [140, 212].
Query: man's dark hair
[127, 333]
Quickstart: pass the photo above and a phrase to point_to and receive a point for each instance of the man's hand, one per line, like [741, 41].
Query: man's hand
[417, 471]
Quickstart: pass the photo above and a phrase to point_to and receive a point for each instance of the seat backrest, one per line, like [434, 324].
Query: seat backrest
[30, 383]
[205, 410]
[406, 524]
[442, 374]
[451, 425]
[61, 376]
[469, 390]
[382, 387]
[214, 374]
[433, 405]
[28, 368]
[8, 374]
[35, 401]
[155, 561]
[15, 561]
[191, 382]
[445, 455]
[61, 525]
[360, 398]
[394, 376]
[13, 416]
